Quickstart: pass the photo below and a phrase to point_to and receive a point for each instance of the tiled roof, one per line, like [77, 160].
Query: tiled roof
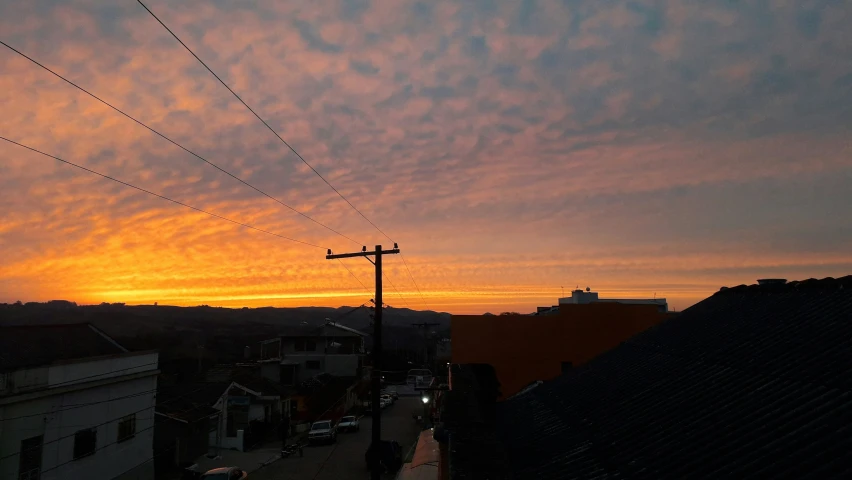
[189, 402]
[320, 331]
[751, 382]
[29, 346]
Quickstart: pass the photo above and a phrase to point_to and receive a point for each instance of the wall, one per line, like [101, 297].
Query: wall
[271, 371]
[334, 364]
[342, 365]
[99, 405]
[524, 349]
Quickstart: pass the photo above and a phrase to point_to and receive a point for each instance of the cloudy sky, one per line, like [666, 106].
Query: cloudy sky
[509, 147]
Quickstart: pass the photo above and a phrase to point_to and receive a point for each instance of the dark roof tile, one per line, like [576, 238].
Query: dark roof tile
[751, 382]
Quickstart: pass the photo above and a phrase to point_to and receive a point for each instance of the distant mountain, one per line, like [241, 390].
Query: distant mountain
[202, 323]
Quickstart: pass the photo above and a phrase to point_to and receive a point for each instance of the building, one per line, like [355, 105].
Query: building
[752, 382]
[184, 420]
[527, 348]
[303, 352]
[580, 297]
[231, 408]
[74, 404]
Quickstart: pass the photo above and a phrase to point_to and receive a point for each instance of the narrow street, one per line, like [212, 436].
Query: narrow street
[345, 459]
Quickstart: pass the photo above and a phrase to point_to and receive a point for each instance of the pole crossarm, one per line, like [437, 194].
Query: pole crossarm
[362, 253]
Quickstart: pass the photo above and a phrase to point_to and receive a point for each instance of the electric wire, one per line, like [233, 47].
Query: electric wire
[163, 197]
[354, 276]
[413, 280]
[151, 407]
[261, 119]
[185, 46]
[152, 130]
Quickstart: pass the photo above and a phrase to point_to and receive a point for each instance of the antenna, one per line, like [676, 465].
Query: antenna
[563, 291]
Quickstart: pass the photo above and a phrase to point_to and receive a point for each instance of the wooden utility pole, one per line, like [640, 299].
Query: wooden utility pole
[376, 373]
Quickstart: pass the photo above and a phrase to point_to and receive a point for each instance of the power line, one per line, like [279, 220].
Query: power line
[354, 276]
[415, 282]
[168, 450]
[278, 136]
[261, 119]
[92, 452]
[175, 143]
[88, 404]
[395, 289]
[152, 407]
[161, 196]
[77, 380]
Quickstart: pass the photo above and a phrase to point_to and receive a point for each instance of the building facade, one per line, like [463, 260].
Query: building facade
[527, 348]
[74, 404]
[580, 297]
[303, 353]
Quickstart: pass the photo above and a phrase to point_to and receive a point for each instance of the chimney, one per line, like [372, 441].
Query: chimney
[771, 281]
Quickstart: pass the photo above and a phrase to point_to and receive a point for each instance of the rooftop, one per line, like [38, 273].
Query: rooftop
[29, 346]
[751, 382]
[475, 451]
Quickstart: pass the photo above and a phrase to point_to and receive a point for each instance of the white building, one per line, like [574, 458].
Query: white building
[305, 352]
[74, 404]
[580, 297]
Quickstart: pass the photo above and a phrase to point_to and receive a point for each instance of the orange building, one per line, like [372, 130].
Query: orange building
[526, 348]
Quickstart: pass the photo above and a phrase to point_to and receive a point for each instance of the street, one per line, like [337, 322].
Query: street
[345, 459]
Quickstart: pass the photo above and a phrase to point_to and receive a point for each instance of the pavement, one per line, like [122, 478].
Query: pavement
[345, 459]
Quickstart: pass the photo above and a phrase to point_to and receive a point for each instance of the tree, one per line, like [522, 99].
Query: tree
[510, 313]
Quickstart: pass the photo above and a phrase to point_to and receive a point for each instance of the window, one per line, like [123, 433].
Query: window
[127, 428]
[299, 344]
[85, 443]
[29, 462]
[310, 345]
[312, 365]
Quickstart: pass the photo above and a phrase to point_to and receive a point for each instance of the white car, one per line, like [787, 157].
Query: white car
[322, 431]
[383, 403]
[387, 399]
[348, 423]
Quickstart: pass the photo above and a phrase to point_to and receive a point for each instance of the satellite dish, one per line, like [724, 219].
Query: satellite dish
[588, 289]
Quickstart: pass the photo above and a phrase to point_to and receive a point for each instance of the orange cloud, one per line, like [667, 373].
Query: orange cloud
[509, 152]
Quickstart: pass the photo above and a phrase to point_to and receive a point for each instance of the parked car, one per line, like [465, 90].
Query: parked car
[389, 456]
[387, 399]
[394, 395]
[383, 403]
[322, 431]
[348, 423]
[224, 473]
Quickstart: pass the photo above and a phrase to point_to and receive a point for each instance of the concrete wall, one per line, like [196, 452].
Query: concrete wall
[338, 365]
[99, 401]
[523, 349]
[342, 365]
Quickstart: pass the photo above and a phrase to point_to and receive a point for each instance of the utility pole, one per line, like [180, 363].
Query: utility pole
[375, 374]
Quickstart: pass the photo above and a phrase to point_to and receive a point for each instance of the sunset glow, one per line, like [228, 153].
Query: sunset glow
[510, 148]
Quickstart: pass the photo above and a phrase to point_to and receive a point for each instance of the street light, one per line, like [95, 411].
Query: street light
[425, 400]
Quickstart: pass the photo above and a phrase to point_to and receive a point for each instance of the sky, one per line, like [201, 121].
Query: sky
[511, 148]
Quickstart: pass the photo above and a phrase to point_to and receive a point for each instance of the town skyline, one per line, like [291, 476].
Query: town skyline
[510, 149]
